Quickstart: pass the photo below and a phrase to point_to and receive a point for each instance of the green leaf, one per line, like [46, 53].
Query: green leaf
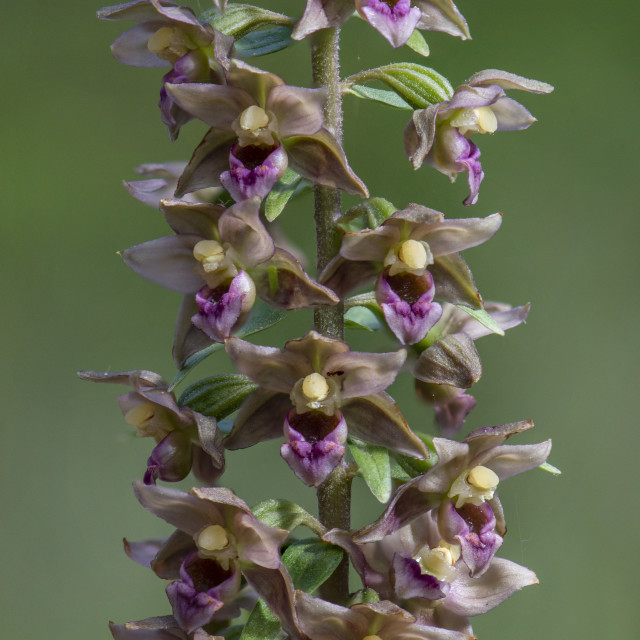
[262, 318]
[262, 624]
[368, 214]
[240, 19]
[367, 300]
[419, 86]
[483, 318]
[361, 318]
[232, 633]
[260, 43]
[311, 562]
[364, 596]
[546, 466]
[219, 395]
[290, 184]
[286, 515]
[373, 462]
[390, 98]
[397, 472]
[418, 44]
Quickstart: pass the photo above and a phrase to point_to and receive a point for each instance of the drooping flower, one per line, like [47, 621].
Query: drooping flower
[461, 488]
[170, 35]
[217, 533]
[221, 259]
[450, 364]
[427, 575]
[260, 125]
[440, 134]
[321, 620]
[395, 20]
[311, 388]
[414, 255]
[185, 439]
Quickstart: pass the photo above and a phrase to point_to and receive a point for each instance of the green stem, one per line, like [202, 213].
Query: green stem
[334, 495]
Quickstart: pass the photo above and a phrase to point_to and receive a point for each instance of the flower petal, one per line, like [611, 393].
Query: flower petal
[298, 111]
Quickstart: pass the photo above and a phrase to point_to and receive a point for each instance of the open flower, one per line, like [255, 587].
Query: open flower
[414, 255]
[185, 439]
[312, 388]
[451, 363]
[461, 487]
[221, 259]
[169, 35]
[395, 20]
[440, 134]
[260, 125]
[218, 535]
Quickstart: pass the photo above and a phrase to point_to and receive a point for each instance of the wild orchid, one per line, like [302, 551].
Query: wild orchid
[428, 564]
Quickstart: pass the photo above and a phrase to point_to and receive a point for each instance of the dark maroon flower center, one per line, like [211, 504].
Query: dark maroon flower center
[313, 425]
[253, 156]
[207, 573]
[409, 286]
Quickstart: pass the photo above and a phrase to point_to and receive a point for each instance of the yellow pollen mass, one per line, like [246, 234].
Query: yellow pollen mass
[213, 538]
[254, 118]
[315, 387]
[160, 40]
[208, 252]
[483, 478]
[140, 414]
[487, 120]
[413, 254]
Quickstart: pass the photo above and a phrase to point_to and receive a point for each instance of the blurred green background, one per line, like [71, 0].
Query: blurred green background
[75, 123]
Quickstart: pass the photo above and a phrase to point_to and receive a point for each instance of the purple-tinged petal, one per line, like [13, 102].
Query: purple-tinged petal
[474, 529]
[475, 175]
[466, 97]
[210, 439]
[187, 340]
[192, 218]
[376, 419]
[454, 281]
[410, 582]
[320, 158]
[216, 105]
[271, 368]
[167, 562]
[283, 283]
[473, 596]
[222, 312]
[209, 160]
[443, 16]
[138, 11]
[145, 551]
[241, 228]
[450, 416]
[314, 445]
[452, 236]
[257, 543]
[297, 110]
[420, 134]
[166, 261]
[409, 319]
[453, 360]
[395, 23]
[131, 46]
[170, 460]
[317, 349]
[159, 628]
[505, 316]
[363, 374]
[254, 171]
[342, 276]
[321, 14]
[370, 244]
[511, 115]
[256, 82]
[509, 460]
[260, 418]
[508, 80]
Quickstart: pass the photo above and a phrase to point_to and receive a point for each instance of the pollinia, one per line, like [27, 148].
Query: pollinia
[428, 564]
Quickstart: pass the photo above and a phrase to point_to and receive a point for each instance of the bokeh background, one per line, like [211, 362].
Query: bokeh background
[75, 123]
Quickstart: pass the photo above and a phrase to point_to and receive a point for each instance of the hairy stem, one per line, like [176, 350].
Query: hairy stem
[334, 495]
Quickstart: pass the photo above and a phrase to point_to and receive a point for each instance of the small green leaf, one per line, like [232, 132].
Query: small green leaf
[262, 624]
[373, 462]
[361, 318]
[364, 596]
[232, 633]
[240, 19]
[367, 300]
[418, 44]
[260, 43]
[483, 318]
[546, 466]
[219, 395]
[262, 317]
[397, 472]
[390, 98]
[368, 214]
[311, 562]
[290, 184]
[417, 85]
[286, 515]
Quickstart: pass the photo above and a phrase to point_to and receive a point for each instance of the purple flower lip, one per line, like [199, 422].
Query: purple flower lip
[395, 21]
[315, 444]
[254, 170]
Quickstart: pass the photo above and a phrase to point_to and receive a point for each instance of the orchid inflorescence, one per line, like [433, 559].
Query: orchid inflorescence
[428, 563]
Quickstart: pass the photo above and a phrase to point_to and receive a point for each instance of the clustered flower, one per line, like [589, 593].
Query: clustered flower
[428, 564]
